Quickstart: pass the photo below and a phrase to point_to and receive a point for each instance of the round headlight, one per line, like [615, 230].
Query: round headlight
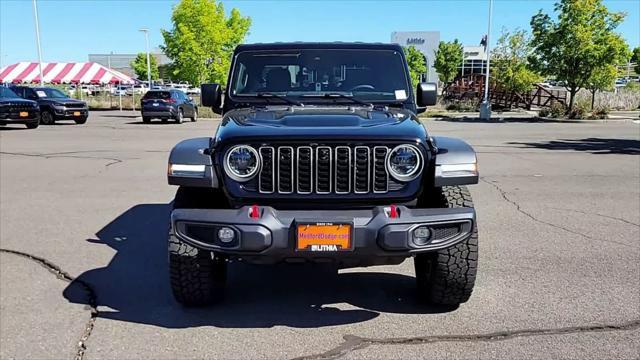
[242, 162]
[404, 162]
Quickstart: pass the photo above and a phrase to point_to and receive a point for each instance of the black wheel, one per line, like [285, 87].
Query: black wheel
[32, 125]
[81, 120]
[197, 276]
[179, 116]
[46, 118]
[446, 277]
[194, 118]
[146, 119]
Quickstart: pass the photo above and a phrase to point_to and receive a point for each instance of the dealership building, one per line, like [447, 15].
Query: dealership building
[427, 43]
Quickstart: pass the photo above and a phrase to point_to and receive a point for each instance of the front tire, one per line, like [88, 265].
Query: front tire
[46, 118]
[146, 119]
[194, 118]
[197, 276]
[81, 121]
[446, 277]
[32, 125]
[179, 116]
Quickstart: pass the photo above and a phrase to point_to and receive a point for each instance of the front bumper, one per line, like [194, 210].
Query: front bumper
[271, 237]
[15, 118]
[70, 113]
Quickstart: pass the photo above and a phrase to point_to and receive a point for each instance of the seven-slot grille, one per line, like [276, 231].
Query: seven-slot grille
[323, 170]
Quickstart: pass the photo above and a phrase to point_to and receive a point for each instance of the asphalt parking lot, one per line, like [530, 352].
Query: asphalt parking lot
[559, 220]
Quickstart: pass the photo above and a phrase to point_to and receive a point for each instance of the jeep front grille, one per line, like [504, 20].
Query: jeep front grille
[324, 170]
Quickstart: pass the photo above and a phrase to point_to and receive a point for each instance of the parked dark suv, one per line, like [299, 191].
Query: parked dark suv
[16, 110]
[168, 104]
[320, 157]
[54, 104]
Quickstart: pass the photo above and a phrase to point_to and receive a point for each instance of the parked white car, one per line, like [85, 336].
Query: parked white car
[139, 89]
[193, 91]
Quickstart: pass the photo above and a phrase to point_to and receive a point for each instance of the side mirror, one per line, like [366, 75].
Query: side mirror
[426, 94]
[190, 98]
[211, 96]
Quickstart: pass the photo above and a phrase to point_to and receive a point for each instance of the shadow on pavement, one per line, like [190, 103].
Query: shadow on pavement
[134, 286]
[121, 116]
[496, 118]
[593, 145]
[154, 122]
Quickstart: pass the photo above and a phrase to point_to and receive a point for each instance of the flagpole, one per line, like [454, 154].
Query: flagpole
[35, 15]
[485, 107]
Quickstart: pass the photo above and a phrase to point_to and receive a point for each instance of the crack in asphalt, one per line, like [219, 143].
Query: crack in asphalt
[598, 214]
[81, 346]
[529, 215]
[112, 161]
[352, 343]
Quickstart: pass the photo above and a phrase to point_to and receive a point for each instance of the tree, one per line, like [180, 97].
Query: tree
[449, 57]
[581, 39]
[139, 66]
[510, 67]
[202, 40]
[602, 78]
[635, 58]
[417, 64]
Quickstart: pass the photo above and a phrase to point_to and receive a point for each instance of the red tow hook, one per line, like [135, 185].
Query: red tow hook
[254, 212]
[393, 212]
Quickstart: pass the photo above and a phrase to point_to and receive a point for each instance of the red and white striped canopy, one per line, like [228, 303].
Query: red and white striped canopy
[62, 73]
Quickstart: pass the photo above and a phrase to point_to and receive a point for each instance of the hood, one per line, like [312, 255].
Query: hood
[330, 123]
[16, 101]
[63, 101]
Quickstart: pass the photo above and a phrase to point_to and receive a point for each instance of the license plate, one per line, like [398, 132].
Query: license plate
[76, 113]
[24, 114]
[155, 104]
[324, 237]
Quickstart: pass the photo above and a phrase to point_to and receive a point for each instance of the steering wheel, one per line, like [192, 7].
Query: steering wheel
[364, 86]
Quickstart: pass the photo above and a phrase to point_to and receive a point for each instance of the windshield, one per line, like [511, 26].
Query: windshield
[50, 93]
[372, 75]
[7, 93]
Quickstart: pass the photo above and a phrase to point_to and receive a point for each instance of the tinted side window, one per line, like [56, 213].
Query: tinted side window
[30, 94]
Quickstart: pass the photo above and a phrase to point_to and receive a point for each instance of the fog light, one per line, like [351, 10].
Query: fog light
[226, 234]
[421, 235]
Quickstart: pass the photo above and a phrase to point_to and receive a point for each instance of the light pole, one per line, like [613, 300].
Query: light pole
[485, 107]
[146, 37]
[35, 15]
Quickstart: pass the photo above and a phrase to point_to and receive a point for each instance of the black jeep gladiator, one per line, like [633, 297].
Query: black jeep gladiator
[320, 157]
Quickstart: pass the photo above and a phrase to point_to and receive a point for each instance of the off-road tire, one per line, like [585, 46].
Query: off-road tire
[446, 277]
[47, 118]
[197, 276]
[179, 116]
[81, 121]
[146, 119]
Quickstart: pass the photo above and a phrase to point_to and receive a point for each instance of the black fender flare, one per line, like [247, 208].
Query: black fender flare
[455, 163]
[194, 154]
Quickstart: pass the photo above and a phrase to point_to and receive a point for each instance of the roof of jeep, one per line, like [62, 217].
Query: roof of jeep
[316, 45]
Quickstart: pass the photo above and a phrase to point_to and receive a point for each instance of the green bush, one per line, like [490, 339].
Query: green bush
[556, 110]
[462, 106]
[600, 113]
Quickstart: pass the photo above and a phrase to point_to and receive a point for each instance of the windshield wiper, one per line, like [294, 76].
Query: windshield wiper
[337, 95]
[281, 97]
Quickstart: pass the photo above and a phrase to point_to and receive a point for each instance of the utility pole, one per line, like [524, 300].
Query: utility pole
[146, 36]
[35, 15]
[485, 107]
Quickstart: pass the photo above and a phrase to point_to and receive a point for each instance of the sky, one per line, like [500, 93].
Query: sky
[72, 29]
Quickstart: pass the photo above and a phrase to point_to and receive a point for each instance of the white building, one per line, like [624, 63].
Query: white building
[426, 42]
